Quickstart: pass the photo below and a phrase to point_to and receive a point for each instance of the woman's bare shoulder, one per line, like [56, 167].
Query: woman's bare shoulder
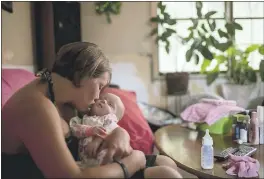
[25, 104]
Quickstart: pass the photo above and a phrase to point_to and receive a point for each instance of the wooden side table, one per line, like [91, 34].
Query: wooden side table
[184, 147]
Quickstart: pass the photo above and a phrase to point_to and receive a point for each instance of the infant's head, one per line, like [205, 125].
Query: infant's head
[106, 104]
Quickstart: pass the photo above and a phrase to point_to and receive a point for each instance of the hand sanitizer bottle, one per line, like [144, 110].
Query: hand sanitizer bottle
[207, 152]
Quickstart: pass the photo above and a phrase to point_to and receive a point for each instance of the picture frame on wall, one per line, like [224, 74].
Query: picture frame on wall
[7, 6]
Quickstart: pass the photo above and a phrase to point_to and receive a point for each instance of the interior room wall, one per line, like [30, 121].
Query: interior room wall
[17, 36]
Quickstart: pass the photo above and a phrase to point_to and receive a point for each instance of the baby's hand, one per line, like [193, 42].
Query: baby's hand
[99, 131]
[92, 147]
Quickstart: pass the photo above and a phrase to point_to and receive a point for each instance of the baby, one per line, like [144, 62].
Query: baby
[101, 121]
[93, 127]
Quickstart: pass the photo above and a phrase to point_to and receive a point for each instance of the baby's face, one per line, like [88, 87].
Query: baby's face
[106, 104]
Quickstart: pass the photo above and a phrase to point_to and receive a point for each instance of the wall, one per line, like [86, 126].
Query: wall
[123, 41]
[17, 36]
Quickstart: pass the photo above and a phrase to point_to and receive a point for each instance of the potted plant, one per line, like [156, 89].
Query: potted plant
[203, 44]
[242, 78]
[108, 8]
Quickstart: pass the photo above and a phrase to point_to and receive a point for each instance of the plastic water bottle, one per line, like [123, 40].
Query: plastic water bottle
[207, 152]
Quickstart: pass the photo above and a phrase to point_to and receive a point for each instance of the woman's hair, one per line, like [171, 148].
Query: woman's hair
[79, 60]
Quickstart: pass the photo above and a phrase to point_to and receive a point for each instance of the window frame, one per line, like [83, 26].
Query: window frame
[155, 48]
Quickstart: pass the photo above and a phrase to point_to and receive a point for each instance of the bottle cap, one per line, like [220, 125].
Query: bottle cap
[207, 139]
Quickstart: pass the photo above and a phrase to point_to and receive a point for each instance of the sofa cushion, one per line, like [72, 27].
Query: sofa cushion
[141, 136]
[12, 80]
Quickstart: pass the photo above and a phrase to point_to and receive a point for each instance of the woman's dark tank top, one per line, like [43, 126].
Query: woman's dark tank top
[22, 165]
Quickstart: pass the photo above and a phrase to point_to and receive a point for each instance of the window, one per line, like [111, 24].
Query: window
[251, 17]
[249, 14]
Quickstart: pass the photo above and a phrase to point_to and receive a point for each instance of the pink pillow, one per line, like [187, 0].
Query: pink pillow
[133, 121]
[13, 80]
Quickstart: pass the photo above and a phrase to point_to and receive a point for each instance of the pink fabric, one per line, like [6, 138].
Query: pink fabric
[219, 102]
[133, 121]
[242, 166]
[12, 80]
[209, 111]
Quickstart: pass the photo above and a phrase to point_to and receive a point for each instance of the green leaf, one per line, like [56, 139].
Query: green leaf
[166, 16]
[251, 75]
[206, 63]
[230, 29]
[231, 51]
[221, 59]
[252, 48]
[237, 26]
[261, 49]
[195, 23]
[261, 70]
[154, 31]
[211, 77]
[196, 59]
[213, 41]
[205, 52]
[187, 39]
[224, 46]
[189, 55]
[203, 27]
[190, 28]
[211, 25]
[172, 31]
[200, 33]
[155, 19]
[196, 44]
[222, 34]
[167, 47]
[171, 21]
[199, 6]
[161, 7]
[209, 14]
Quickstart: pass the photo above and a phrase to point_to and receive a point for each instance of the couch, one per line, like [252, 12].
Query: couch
[133, 121]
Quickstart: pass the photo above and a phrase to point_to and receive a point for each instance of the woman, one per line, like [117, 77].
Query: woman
[35, 120]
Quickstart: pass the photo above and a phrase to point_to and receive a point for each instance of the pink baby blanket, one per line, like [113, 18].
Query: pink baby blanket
[210, 110]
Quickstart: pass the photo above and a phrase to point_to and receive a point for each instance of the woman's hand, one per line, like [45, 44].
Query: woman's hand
[117, 144]
[92, 147]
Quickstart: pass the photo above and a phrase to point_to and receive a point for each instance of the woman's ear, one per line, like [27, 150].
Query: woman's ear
[77, 79]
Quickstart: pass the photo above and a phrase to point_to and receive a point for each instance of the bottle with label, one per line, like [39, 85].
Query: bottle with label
[244, 132]
[253, 132]
[207, 152]
[238, 126]
[234, 132]
[260, 116]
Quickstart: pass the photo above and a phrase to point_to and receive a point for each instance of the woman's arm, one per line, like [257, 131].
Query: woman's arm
[117, 144]
[41, 132]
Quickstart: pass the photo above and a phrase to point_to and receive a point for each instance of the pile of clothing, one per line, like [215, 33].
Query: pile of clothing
[210, 110]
